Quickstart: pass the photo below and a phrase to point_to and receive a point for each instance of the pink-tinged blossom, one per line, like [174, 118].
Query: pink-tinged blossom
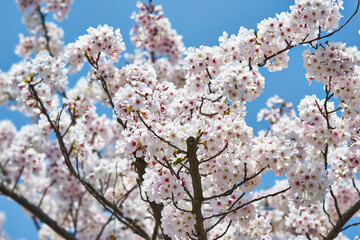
[59, 7]
[153, 32]
[317, 15]
[346, 195]
[6, 91]
[177, 224]
[309, 182]
[241, 47]
[257, 229]
[33, 44]
[99, 42]
[329, 63]
[164, 98]
[276, 108]
[238, 82]
[25, 4]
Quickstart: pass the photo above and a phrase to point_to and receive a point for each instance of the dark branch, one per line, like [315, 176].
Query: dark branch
[98, 196]
[237, 185]
[343, 220]
[335, 203]
[36, 211]
[46, 33]
[198, 199]
[350, 225]
[304, 42]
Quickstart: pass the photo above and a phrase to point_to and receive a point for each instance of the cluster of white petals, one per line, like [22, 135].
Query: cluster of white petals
[178, 159]
[102, 39]
[155, 34]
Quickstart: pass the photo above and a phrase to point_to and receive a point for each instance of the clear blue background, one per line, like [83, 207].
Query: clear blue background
[200, 22]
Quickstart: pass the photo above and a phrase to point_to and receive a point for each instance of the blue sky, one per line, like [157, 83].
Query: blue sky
[200, 22]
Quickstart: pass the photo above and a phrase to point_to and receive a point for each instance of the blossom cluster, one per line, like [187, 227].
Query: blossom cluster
[303, 23]
[60, 7]
[46, 75]
[178, 157]
[276, 108]
[155, 34]
[43, 35]
[102, 39]
[336, 66]
[37, 43]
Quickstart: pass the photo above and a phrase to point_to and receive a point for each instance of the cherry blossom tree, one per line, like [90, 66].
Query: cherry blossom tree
[178, 160]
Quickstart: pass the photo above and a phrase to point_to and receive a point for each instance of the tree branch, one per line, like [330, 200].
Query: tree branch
[99, 197]
[140, 166]
[46, 33]
[288, 47]
[343, 220]
[191, 143]
[36, 211]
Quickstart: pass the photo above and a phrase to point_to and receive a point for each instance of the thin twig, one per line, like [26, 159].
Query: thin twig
[216, 155]
[104, 226]
[42, 216]
[354, 185]
[18, 177]
[46, 33]
[36, 223]
[350, 225]
[227, 228]
[237, 185]
[45, 191]
[245, 204]
[327, 214]
[156, 135]
[288, 47]
[336, 203]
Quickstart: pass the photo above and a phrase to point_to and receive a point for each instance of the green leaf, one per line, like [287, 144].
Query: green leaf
[198, 133]
[205, 145]
[176, 161]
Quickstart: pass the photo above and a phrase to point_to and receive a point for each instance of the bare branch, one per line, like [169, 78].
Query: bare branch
[354, 185]
[308, 236]
[18, 177]
[343, 220]
[118, 119]
[98, 196]
[198, 199]
[46, 33]
[227, 228]
[37, 226]
[45, 191]
[95, 64]
[327, 214]
[104, 226]
[36, 211]
[336, 203]
[325, 155]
